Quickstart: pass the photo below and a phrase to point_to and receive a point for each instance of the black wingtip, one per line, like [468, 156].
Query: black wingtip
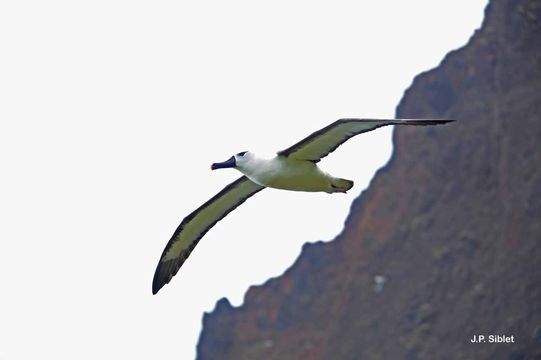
[155, 287]
[422, 122]
[432, 121]
[157, 281]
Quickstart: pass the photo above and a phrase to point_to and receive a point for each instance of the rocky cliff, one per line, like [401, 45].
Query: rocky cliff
[445, 244]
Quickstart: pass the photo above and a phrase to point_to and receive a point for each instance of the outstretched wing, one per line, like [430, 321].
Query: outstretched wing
[195, 225]
[324, 141]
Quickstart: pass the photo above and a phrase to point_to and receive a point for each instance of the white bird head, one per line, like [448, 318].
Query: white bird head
[235, 161]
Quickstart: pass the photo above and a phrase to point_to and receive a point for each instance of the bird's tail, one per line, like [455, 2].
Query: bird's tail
[341, 185]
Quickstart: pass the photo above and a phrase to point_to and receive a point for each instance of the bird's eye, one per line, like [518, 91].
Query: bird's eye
[242, 153]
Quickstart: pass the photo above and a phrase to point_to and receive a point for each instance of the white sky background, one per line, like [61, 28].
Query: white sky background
[111, 113]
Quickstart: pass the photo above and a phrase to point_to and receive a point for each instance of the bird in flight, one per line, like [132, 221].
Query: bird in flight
[294, 168]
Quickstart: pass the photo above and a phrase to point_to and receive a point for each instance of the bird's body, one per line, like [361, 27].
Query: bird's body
[294, 168]
[287, 173]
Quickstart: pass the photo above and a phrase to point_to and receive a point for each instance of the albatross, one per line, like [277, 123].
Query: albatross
[294, 168]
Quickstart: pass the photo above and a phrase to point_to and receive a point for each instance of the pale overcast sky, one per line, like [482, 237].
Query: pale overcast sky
[111, 113]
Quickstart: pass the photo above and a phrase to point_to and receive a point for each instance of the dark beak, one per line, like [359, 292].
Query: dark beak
[226, 164]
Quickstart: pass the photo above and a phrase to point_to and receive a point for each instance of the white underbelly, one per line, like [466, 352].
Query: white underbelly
[297, 176]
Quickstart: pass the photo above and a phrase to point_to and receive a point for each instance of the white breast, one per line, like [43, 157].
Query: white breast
[287, 173]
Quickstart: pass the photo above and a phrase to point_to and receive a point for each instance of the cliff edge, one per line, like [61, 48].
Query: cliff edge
[445, 243]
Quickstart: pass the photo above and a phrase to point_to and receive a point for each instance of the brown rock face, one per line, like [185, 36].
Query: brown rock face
[446, 242]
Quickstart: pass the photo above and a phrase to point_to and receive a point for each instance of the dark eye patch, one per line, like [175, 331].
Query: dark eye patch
[242, 153]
